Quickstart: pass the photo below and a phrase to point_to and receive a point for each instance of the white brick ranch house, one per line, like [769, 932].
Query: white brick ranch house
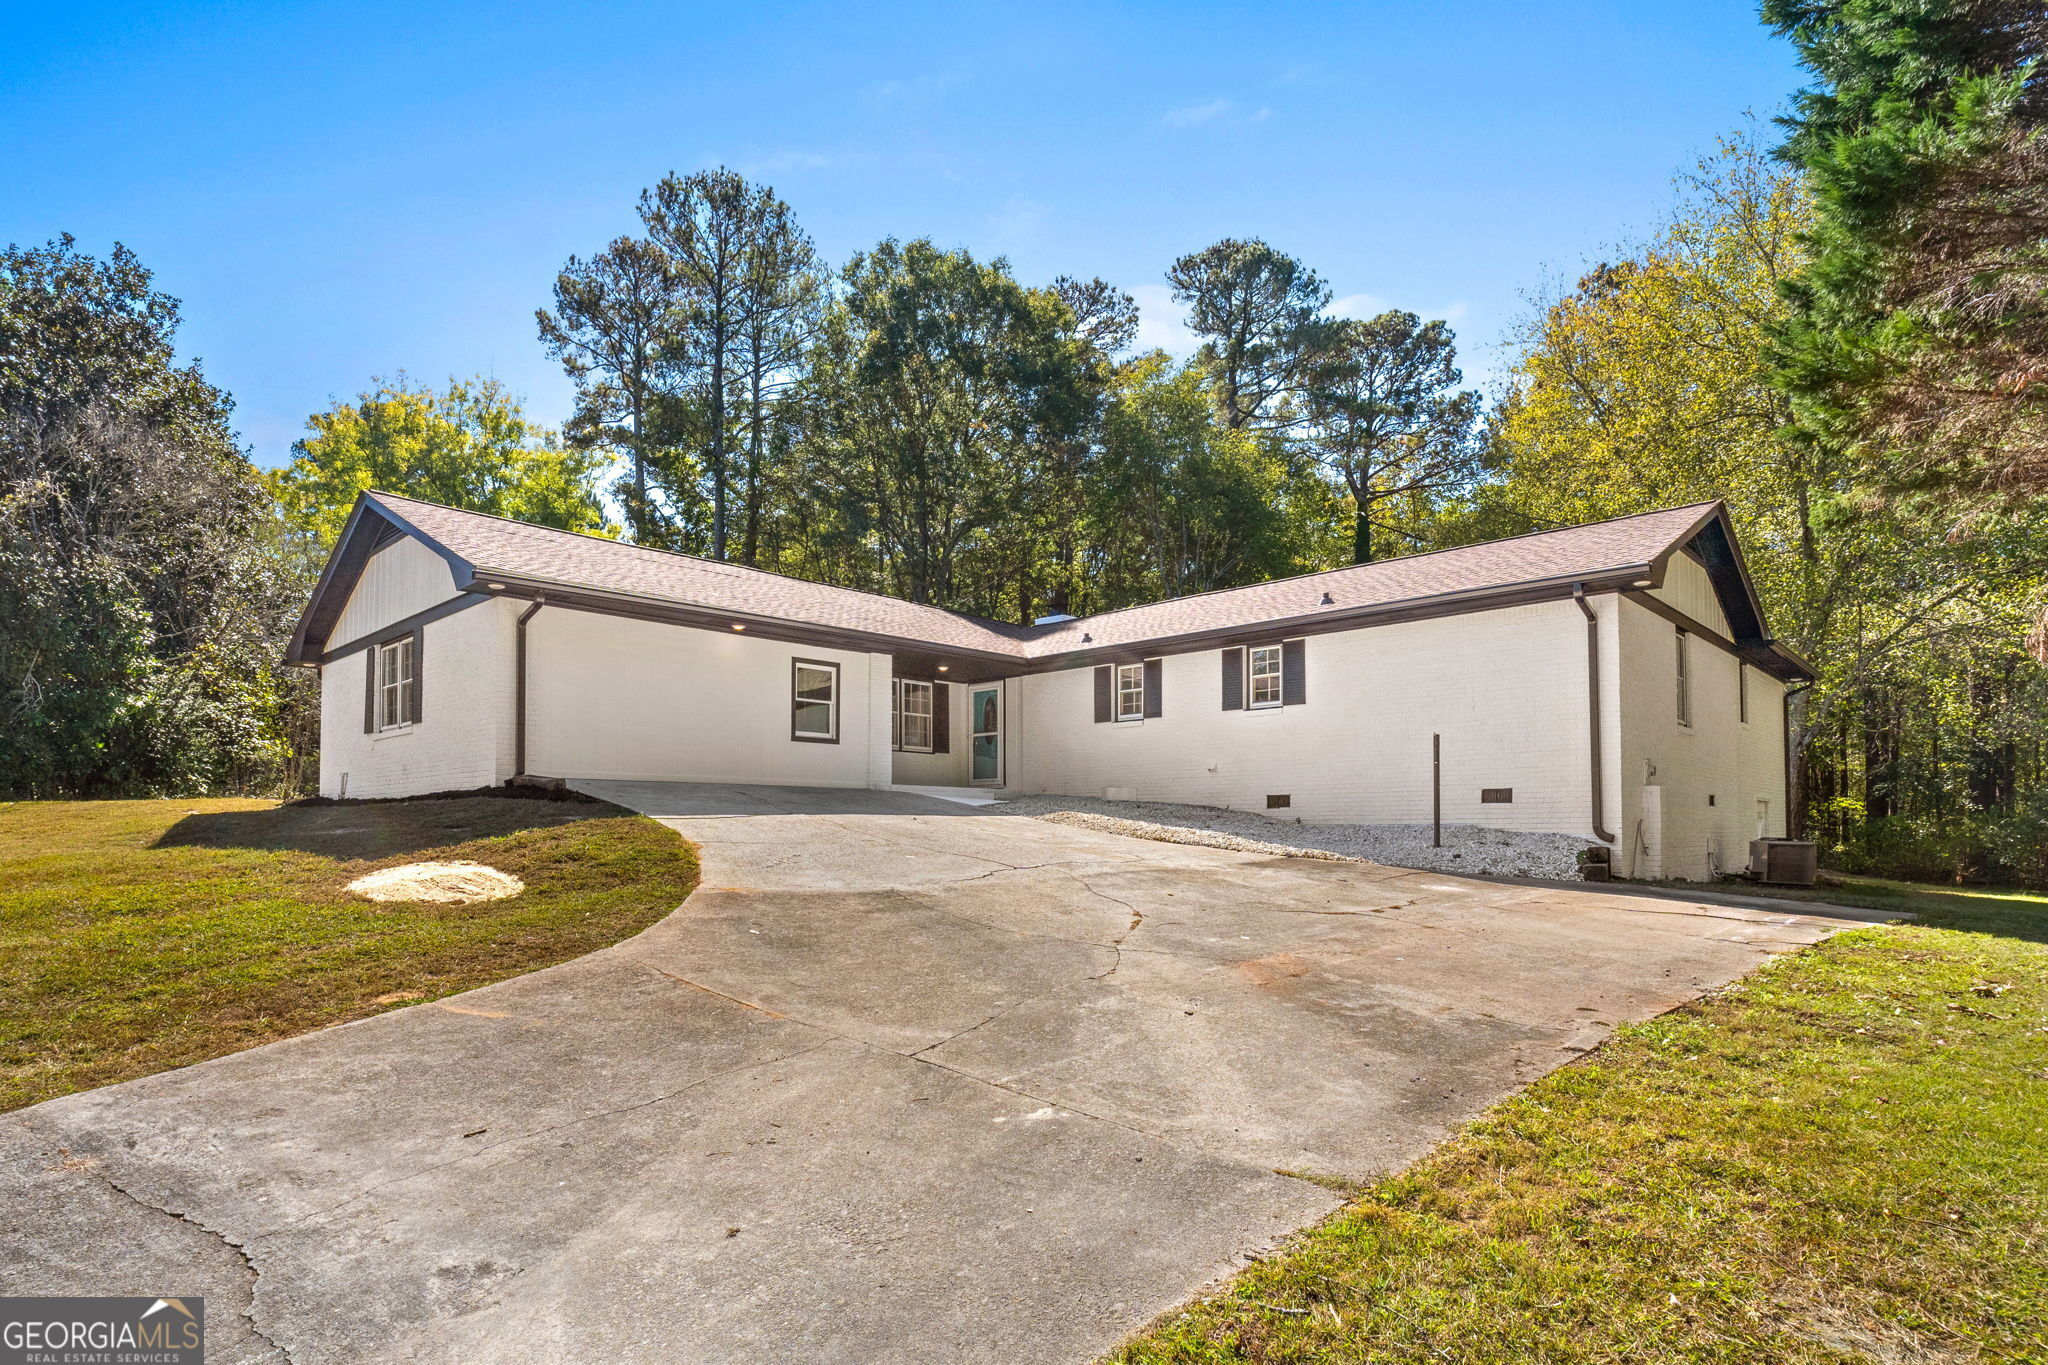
[1615, 680]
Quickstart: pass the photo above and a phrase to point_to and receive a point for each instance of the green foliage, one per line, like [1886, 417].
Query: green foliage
[136, 936]
[1648, 385]
[1389, 422]
[1178, 503]
[467, 446]
[683, 344]
[939, 388]
[1837, 1159]
[143, 585]
[1259, 313]
[1919, 332]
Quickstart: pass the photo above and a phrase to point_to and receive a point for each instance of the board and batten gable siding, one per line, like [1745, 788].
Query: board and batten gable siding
[464, 737]
[1505, 688]
[612, 697]
[1673, 831]
[1689, 588]
[402, 578]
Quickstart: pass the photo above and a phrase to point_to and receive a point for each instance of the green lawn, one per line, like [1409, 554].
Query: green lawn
[136, 936]
[1844, 1158]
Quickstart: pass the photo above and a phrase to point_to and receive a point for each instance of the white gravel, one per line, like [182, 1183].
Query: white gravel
[1467, 848]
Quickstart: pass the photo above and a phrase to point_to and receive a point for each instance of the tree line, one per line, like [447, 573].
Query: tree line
[1841, 335]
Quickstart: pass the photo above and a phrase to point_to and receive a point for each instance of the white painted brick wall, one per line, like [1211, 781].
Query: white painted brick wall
[940, 770]
[610, 697]
[1506, 689]
[1716, 755]
[463, 738]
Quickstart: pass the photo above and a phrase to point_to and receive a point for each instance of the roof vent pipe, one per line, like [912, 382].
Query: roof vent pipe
[1593, 711]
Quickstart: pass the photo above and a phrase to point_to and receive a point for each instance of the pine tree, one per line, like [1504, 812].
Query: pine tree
[1918, 337]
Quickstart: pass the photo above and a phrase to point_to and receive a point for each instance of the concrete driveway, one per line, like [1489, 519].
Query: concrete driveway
[902, 1081]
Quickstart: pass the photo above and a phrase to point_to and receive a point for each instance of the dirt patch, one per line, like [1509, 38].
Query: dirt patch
[442, 883]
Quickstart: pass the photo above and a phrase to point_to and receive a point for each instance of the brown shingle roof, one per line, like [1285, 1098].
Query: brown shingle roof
[495, 546]
[1575, 552]
[498, 548]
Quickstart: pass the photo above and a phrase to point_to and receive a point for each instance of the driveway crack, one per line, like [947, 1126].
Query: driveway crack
[575, 1122]
[248, 1262]
[1116, 944]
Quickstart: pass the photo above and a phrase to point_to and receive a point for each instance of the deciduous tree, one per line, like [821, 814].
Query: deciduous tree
[467, 446]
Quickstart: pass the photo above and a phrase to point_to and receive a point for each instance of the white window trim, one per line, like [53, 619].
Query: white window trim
[1137, 671]
[399, 688]
[1684, 679]
[831, 734]
[1251, 679]
[904, 688]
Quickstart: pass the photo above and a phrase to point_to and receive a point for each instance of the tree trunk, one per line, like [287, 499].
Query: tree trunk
[718, 444]
[750, 545]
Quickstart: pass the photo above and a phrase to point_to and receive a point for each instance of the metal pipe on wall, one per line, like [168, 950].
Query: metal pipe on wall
[1436, 791]
[1593, 712]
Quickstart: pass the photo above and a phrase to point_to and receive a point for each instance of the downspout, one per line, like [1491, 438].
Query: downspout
[519, 698]
[1593, 711]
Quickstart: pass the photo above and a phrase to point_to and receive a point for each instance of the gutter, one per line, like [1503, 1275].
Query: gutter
[1593, 712]
[519, 700]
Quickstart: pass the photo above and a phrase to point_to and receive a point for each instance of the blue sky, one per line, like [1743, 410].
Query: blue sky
[337, 192]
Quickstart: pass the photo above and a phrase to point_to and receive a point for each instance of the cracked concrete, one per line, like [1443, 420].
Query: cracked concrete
[902, 1081]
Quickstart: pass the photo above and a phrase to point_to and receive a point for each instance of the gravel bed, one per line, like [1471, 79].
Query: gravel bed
[1467, 848]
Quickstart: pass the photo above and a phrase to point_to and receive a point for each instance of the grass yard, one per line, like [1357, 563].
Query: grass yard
[1844, 1158]
[136, 936]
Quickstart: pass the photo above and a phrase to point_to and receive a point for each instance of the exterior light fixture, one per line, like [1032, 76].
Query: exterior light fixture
[737, 625]
[944, 667]
[495, 587]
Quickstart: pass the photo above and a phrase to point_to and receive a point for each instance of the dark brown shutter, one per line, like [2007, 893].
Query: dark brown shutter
[1233, 680]
[1105, 695]
[942, 719]
[1293, 672]
[419, 673]
[370, 693]
[1153, 669]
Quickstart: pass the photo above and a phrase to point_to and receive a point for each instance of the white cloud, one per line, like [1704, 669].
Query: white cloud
[1162, 323]
[1224, 113]
[1193, 115]
[1357, 306]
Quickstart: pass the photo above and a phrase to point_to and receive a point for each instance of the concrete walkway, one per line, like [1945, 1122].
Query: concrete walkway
[903, 1081]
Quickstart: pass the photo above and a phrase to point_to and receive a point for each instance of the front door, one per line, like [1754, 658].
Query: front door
[985, 749]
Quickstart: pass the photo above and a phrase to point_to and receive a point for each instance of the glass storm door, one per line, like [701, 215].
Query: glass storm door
[985, 718]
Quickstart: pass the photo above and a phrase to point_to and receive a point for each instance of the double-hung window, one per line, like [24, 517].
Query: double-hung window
[814, 701]
[914, 715]
[1130, 691]
[1262, 676]
[1684, 679]
[394, 683]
